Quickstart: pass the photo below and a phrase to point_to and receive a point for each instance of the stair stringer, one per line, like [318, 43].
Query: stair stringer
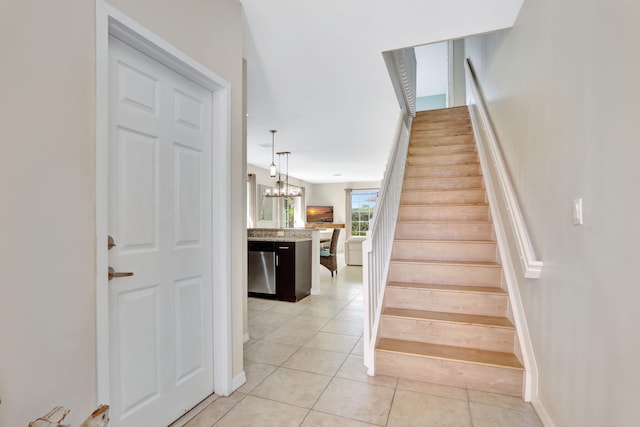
[530, 386]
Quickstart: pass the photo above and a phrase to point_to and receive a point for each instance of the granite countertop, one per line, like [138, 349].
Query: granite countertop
[278, 239]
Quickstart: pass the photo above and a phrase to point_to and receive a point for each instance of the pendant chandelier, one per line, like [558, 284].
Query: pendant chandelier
[282, 188]
[272, 167]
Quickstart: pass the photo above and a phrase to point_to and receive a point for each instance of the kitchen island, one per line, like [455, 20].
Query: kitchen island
[283, 263]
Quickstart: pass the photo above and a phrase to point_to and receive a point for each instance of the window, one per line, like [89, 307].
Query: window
[292, 212]
[362, 204]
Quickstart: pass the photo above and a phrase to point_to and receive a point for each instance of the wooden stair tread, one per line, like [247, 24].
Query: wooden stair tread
[455, 263]
[416, 190]
[443, 222]
[419, 178]
[488, 242]
[459, 165]
[449, 288]
[462, 354]
[441, 316]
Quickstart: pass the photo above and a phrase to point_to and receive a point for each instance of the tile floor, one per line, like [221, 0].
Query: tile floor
[304, 367]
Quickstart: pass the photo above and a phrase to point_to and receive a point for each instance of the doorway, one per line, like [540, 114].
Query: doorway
[163, 143]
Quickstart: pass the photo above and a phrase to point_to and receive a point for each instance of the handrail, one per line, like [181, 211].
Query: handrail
[376, 249]
[507, 222]
[531, 266]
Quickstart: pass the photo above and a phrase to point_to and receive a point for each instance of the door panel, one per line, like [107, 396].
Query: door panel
[137, 192]
[138, 316]
[188, 328]
[160, 145]
[188, 176]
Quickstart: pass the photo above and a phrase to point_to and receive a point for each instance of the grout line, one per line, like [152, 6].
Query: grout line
[466, 391]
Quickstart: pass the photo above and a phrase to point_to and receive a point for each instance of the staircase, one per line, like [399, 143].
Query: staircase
[444, 317]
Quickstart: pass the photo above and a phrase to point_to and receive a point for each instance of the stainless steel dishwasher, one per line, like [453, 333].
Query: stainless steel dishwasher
[262, 268]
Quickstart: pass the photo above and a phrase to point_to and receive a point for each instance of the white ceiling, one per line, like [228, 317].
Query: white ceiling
[315, 73]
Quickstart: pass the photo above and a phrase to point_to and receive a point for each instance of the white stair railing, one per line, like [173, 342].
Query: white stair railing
[376, 249]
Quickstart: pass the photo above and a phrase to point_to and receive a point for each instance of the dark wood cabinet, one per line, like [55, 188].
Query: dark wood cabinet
[293, 270]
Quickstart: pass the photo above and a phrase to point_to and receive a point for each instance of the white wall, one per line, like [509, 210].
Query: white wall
[563, 93]
[432, 69]
[47, 188]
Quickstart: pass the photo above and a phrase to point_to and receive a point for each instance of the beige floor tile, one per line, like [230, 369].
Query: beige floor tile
[216, 410]
[353, 369]
[292, 387]
[354, 306]
[258, 305]
[349, 315]
[319, 419]
[324, 312]
[345, 327]
[270, 353]
[256, 373]
[358, 350]
[317, 361]
[493, 399]
[493, 416]
[286, 335]
[416, 409]
[351, 399]
[332, 342]
[434, 389]
[259, 330]
[271, 318]
[255, 411]
[332, 303]
[288, 308]
[307, 322]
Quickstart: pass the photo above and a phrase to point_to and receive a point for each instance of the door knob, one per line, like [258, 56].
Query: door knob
[113, 273]
[110, 242]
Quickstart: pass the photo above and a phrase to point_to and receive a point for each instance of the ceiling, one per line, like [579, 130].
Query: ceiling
[315, 72]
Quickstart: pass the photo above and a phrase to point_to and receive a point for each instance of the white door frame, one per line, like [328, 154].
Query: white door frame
[110, 21]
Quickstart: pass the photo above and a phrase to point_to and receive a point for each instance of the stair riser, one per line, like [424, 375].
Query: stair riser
[446, 302]
[427, 150]
[444, 274]
[444, 251]
[459, 125]
[443, 213]
[450, 372]
[442, 171]
[417, 197]
[447, 333]
[439, 133]
[446, 231]
[428, 140]
[455, 183]
[445, 160]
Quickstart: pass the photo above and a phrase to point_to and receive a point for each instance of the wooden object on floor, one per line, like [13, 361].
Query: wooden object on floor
[444, 316]
[55, 417]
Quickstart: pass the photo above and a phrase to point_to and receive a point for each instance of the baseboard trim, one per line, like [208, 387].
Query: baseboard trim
[487, 147]
[544, 416]
[238, 381]
[245, 338]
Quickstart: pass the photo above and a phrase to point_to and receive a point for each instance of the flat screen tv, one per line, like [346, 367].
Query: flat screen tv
[319, 214]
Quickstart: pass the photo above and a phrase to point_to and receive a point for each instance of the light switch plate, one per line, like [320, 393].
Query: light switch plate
[577, 211]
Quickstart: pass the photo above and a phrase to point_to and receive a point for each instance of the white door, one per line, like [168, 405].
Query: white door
[160, 319]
